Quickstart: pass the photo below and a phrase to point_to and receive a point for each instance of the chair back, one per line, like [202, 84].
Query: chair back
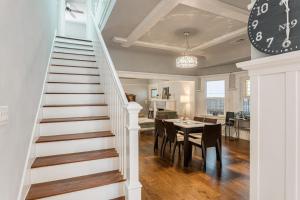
[211, 135]
[171, 131]
[229, 115]
[162, 116]
[211, 120]
[159, 127]
[199, 119]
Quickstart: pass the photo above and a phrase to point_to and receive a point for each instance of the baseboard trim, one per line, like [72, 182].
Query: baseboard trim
[26, 180]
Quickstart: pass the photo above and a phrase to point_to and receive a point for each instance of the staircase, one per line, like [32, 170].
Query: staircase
[76, 155]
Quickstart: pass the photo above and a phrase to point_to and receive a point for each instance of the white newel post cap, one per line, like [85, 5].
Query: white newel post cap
[287, 62]
[133, 109]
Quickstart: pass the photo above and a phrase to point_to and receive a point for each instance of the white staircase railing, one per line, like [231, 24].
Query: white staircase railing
[123, 115]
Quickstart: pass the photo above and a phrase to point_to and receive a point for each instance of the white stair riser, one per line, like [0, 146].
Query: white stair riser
[58, 99]
[73, 63]
[72, 41]
[70, 45]
[74, 146]
[70, 170]
[74, 88]
[65, 112]
[73, 78]
[84, 52]
[72, 56]
[74, 70]
[106, 192]
[74, 127]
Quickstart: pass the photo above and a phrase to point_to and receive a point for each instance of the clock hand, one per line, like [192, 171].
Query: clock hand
[287, 41]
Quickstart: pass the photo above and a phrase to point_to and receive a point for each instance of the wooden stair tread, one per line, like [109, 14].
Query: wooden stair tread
[71, 38]
[57, 65]
[74, 93]
[73, 157]
[73, 105]
[119, 198]
[78, 54]
[78, 136]
[56, 82]
[74, 48]
[72, 119]
[88, 45]
[53, 188]
[73, 59]
[63, 73]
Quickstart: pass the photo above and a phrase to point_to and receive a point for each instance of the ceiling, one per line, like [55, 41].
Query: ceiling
[74, 16]
[217, 28]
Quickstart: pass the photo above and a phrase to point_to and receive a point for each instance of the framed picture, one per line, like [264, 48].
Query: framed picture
[154, 93]
[165, 93]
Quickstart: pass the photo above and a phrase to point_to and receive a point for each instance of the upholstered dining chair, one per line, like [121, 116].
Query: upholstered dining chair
[159, 131]
[211, 120]
[211, 137]
[229, 122]
[174, 138]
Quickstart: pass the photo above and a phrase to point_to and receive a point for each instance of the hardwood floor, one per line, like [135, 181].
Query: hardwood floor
[162, 181]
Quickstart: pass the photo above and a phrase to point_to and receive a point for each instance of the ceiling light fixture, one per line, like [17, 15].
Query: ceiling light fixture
[186, 60]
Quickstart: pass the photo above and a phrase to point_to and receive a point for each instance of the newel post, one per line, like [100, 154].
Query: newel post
[133, 185]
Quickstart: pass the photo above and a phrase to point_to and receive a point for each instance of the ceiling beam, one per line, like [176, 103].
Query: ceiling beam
[162, 9]
[123, 41]
[221, 39]
[219, 8]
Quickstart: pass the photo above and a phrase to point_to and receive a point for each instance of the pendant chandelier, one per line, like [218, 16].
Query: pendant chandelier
[186, 61]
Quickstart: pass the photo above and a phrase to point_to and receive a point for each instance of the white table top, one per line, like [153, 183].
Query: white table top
[187, 123]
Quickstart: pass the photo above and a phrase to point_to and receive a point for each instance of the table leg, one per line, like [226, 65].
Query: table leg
[187, 148]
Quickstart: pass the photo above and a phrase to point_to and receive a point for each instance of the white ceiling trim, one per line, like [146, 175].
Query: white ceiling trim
[222, 39]
[166, 6]
[123, 42]
[161, 10]
[156, 76]
[219, 8]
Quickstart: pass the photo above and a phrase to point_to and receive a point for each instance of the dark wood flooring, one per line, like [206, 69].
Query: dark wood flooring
[163, 181]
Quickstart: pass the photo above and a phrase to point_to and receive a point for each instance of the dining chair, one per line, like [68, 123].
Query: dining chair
[199, 119]
[197, 135]
[211, 120]
[159, 132]
[229, 122]
[211, 137]
[173, 137]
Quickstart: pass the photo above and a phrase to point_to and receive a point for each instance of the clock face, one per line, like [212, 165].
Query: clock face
[274, 26]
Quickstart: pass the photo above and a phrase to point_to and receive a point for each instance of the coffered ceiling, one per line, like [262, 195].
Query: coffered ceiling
[217, 28]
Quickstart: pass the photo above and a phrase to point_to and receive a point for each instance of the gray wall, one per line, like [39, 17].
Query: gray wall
[141, 61]
[138, 87]
[27, 29]
[223, 69]
[157, 62]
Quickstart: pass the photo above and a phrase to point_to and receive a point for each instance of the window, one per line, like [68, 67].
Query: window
[246, 99]
[215, 97]
[248, 88]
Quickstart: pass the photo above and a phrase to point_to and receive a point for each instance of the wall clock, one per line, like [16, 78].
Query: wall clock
[274, 26]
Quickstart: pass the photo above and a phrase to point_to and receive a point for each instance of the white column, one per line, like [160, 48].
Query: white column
[133, 185]
[275, 120]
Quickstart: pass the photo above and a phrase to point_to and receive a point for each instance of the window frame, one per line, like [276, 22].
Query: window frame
[225, 93]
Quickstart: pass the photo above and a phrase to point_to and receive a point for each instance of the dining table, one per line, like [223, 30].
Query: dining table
[187, 127]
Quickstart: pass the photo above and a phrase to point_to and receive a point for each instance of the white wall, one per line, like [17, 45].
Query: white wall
[177, 89]
[75, 29]
[27, 30]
